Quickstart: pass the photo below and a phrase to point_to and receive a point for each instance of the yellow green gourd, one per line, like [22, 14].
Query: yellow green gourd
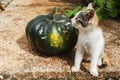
[52, 34]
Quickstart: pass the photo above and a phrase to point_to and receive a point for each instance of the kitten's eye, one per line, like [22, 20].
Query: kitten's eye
[77, 19]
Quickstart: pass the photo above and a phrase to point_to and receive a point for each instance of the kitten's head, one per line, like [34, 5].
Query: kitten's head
[84, 18]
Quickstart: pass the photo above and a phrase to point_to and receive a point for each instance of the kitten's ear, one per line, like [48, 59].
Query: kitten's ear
[95, 19]
[90, 6]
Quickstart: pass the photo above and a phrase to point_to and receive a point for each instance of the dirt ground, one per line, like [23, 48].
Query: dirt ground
[19, 62]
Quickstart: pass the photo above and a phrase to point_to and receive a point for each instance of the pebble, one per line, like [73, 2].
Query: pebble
[1, 77]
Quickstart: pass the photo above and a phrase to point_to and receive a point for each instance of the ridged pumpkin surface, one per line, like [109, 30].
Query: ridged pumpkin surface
[52, 34]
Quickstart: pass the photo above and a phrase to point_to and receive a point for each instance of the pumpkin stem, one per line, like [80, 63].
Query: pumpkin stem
[53, 12]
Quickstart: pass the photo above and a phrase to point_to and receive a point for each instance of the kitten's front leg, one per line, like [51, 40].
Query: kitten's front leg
[99, 63]
[77, 61]
[93, 64]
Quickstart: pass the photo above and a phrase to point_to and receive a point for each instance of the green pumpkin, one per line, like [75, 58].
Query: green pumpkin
[52, 34]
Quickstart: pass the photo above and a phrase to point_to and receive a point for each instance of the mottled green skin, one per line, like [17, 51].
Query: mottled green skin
[51, 35]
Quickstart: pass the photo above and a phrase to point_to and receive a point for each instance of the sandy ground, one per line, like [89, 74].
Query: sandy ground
[17, 57]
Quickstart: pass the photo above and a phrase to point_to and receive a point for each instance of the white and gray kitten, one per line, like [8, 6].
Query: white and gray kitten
[90, 40]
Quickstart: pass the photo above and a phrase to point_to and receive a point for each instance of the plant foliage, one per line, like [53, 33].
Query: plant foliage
[104, 9]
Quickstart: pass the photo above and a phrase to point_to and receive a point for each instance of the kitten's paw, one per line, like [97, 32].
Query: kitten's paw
[94, 72]
[99, 63]
[74, 69]
[102, 64]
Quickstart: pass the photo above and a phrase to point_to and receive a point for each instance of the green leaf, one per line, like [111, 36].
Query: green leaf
[94, 2]
[84, 8]
[69, 13]
[100, 16]
[113, 13]
[104, 9]
[99, 2]
[110, 4]
[76, 10]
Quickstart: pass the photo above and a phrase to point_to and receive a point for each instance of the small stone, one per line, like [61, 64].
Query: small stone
[1, 77]
[67, 23]
[63, 16]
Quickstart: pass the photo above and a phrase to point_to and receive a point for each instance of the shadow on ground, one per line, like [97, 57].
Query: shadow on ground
[69, 58]
[24, 45]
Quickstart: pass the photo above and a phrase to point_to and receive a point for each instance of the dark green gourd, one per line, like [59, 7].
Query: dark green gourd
[52, 34]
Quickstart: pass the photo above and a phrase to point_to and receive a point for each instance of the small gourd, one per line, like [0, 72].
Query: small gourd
[52, 34]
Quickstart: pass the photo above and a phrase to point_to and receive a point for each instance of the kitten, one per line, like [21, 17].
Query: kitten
[90, 39]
